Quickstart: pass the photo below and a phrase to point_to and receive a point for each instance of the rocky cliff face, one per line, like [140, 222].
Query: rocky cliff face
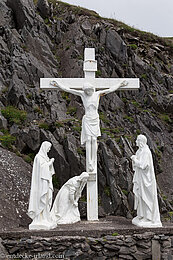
[15, 179]
[47, 39]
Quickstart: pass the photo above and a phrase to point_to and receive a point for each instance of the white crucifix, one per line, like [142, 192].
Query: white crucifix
[90, 89]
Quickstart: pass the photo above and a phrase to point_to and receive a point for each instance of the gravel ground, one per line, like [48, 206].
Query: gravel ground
[105, 226]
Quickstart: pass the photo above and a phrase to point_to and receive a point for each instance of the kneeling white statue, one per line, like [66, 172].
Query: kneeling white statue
[41, 190]
[145, 187]
[65, 208]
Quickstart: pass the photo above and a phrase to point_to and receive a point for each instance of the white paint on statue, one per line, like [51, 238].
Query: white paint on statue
[90, 131]
[65, 208]
[90, 122]
[41, 190]
[145, 187]
[90, 89]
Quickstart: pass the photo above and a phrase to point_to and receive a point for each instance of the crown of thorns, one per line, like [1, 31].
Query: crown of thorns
[87, 86]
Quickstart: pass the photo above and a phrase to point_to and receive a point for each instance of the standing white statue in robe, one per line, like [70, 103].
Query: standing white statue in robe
[65, 208]
[90, 122]
[145, 187]
[41, 190]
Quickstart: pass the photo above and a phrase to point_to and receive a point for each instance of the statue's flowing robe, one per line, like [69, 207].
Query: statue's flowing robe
[41, 186]
[145, 187]
[90, 127]
[63, 211]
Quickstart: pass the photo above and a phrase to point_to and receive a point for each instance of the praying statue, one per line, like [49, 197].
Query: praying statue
[145, 187]
[65, 207]
[41, 190]
[90, 122]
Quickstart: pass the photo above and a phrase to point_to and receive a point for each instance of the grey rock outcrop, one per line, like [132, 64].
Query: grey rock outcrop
[15, 179]
[44, 8]
[23, 12]
[116, 45]
[3, 122]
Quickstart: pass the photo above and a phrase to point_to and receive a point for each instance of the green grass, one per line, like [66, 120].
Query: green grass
[83, 198]
[77, 128]
[129, 118]
[107, 191]
[125, 100]
[146, 110]
[125, 192]
[164, 197]
[71, 111]
[103, 117]
[116, 130]
[138, 131]
[117, 139]
[166, 118]
[115, 234]
[158, 153]
[61, 7]
[38, 110]
[59, 124]
[129, 137]
[14, 115]
[80, 151]
[133, 46]
[98, 73]
[5, 90]
[67, 47]
[143, 76]
[170, 213]
[35, 2]
[135, 103]
[24, 47]
[44, 126]
[27, 158]
[47, 22]
[54, 2]
[29, 96]
[55, 181]
[7, 140]
[4, 131]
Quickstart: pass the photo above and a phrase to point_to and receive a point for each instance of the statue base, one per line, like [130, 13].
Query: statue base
[141, 222]
[44, 225]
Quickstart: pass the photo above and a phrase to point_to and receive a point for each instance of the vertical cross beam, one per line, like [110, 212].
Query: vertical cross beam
[90, 66]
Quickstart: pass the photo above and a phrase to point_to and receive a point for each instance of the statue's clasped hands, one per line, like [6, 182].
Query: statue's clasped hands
[51, 161]
[75, 204]
[133, 157]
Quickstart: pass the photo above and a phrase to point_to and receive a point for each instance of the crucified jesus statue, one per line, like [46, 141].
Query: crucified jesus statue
[90, 89]
[90, 122]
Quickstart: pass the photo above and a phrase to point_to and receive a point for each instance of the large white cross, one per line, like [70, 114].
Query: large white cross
[90, 67]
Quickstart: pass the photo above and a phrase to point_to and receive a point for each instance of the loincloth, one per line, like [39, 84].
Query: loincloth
[90, 127]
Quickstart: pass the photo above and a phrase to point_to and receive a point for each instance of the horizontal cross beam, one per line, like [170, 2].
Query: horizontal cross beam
[98, 83]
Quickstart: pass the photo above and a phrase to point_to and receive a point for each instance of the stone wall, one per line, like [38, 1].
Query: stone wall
[148, 245]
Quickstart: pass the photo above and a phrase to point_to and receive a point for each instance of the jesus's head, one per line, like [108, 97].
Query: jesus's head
[88, 89]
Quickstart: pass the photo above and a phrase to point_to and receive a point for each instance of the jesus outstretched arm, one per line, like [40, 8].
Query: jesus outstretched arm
[66, 88]
[112, 89]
